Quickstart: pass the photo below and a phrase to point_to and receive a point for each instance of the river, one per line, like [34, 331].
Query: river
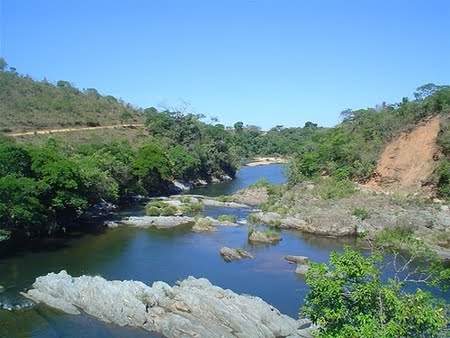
[150, 255]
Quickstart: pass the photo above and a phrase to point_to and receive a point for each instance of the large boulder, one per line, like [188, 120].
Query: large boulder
[192, 308]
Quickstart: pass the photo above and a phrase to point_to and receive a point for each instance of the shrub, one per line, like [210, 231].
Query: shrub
[203, 222]
[185, 209]
[227, 218]
[252, 218]
[170, 210]
[271, 233]
[361, 213]
[224, 198]
[153, 211]
[196, 206]
[350, 300]
[275, 223]
[333, 188]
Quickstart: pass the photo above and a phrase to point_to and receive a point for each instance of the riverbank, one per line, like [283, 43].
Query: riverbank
[265, 160]
[307, 208]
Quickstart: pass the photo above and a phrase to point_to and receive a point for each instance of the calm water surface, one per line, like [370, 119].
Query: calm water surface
[150, 255]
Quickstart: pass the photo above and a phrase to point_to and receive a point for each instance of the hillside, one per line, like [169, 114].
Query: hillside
[408, 162]
[26, 104]
[391, 146]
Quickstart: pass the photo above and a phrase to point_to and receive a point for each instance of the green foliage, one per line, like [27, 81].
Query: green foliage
[271, 234]
[275, 223]
[350, 300]
[196, 207]
[252, 218]
[262, 182]
[333, 188]
[227, 218]
[14, 159]
[202, 221]
[443, 173]
[152, 167]
[20, 207]
[185, 165]
[169, 211]
[361, 213]
[152, 211]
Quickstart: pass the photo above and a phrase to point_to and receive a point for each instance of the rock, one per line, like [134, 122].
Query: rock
[225, 178]
[199, 182]
[261, 237]
[267, 217]
[292, 223]
[182, 186]
[193, 307]
[302, 269]
[301, 261]
[112, 224]
[203, 224]
[214, 203]
[159, 222]
[229, 254]
[297, 259]
[252, 196]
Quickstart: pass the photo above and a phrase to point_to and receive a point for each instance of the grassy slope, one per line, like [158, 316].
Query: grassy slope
[26, 104]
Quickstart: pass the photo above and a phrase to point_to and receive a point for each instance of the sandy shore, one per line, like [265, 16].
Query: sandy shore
[265, 161]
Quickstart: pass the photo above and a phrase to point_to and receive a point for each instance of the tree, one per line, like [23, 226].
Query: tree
[185, 165]
[14, 159]
[350, 300]
[239, 126]
[3, 64]
[152, 167]
[20, 207]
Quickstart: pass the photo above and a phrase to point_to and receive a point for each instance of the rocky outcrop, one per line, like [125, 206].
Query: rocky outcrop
[159, 222]
[214, 203]
[264, 237]
[204, 224]
[192, 308]
[321, 225]
[229, 254]
[252, 196]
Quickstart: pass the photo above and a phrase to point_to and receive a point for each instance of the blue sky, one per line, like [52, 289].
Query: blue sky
[262, 62]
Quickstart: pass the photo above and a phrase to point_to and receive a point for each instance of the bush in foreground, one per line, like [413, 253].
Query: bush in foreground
[350, 300]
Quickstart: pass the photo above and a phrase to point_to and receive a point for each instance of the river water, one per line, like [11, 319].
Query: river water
[150, 255]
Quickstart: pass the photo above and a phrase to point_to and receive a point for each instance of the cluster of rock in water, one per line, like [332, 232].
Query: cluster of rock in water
[191, 308]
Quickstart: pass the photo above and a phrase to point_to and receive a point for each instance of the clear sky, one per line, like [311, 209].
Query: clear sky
[279, 62]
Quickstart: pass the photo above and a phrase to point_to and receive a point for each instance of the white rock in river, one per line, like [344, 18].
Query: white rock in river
[193, 307]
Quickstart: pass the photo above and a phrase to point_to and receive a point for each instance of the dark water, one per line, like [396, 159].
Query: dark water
[150, 255]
